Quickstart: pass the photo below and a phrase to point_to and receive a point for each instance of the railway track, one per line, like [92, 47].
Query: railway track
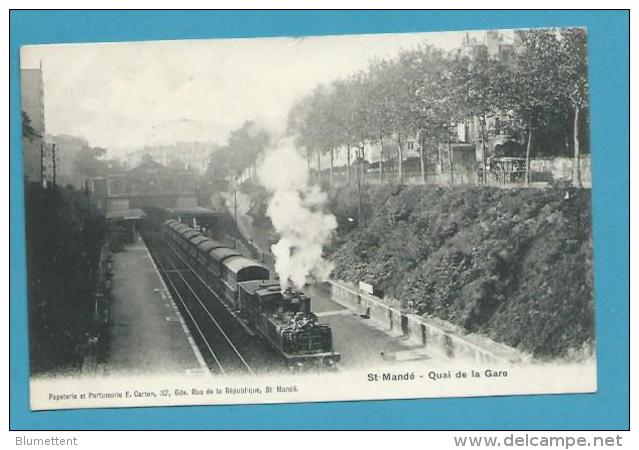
[225, 343]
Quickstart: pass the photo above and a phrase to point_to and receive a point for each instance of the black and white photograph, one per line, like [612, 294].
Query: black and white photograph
[307, 219]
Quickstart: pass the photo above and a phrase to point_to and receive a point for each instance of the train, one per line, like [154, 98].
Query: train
[284, 319]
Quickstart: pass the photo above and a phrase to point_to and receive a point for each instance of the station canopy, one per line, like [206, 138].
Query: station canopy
[127, 214]
[195, 211]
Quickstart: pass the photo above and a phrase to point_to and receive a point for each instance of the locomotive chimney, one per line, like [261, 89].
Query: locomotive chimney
[305, 304]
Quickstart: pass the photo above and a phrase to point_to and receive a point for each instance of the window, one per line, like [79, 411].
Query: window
[410, 145]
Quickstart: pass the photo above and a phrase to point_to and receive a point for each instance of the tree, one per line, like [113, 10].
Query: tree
[399, 94]
[243, 149]
[314, 121]
[28, 131]
[301, 122]
[378, 106]
[428, 104]
[384, 94]
[532, 86]
[573, 69]
[147, 158]
[476, 82]
[89, 163]
[351, 118]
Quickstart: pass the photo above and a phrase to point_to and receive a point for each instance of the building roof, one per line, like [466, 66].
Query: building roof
[148, 163]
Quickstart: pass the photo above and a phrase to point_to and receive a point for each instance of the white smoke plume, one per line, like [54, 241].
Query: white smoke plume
[296, 209]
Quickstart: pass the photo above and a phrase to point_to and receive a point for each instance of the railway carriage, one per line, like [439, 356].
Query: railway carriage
[194, 253]
[181, 227]
[172, 229]
[187, 245]
[206, 262]
[179, 230]
[182, 242]
[216, 265]
[167, 227]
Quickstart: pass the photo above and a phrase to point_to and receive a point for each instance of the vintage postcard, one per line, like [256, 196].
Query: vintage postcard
[308, 219]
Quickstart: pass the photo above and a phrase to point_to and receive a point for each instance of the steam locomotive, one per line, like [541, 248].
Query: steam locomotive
[283, 319]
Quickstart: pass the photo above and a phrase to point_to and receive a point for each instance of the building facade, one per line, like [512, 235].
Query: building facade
[193, 156]
[150, 185]
[37, 155]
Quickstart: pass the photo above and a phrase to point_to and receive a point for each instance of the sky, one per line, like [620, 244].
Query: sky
[123, 96]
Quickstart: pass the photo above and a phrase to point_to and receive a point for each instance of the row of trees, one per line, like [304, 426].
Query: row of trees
[424, 92]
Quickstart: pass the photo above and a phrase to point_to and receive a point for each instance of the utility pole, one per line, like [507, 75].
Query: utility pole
[235, 199]
[54, 165]
[41, 164]
[86, 193]
[363, 165]
[237, 226]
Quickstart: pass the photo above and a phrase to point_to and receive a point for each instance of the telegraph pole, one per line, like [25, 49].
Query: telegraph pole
[54, 165]
[237, 226]
[86, 193]
[41, 164]
[235, 199]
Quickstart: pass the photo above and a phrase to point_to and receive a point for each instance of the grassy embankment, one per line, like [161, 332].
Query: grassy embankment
[514, 265]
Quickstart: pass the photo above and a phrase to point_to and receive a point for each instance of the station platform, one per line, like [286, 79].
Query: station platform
[148, 333]
[360, 341]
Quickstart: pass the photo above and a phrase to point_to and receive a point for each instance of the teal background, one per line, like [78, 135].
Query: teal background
[609, 82]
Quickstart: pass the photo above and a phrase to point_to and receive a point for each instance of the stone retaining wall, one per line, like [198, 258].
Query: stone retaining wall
[439, 337]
